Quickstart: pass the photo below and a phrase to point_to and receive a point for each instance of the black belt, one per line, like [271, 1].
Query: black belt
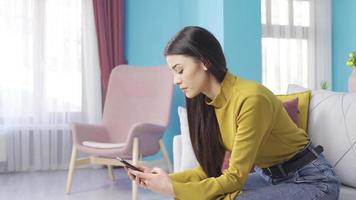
[298, 161]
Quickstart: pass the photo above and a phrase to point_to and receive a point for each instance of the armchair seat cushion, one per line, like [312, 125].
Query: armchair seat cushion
[102, 145]
[105, 152]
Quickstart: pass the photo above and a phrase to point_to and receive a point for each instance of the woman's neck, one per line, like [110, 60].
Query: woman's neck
[213, 87]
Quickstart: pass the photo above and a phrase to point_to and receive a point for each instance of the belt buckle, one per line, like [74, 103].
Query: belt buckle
[268, 172]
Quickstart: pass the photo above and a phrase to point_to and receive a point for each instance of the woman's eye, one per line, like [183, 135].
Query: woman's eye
[180, 71]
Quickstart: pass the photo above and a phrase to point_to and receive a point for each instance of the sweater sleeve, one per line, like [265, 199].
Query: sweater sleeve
[195, 174]
[253, 121]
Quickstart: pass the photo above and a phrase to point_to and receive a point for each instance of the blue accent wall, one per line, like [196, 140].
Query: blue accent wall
[211, 17]
[204, 13]
[344, 41]
[149, 25]
[242, 37]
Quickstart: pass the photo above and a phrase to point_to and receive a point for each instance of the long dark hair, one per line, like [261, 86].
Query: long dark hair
[204, 129]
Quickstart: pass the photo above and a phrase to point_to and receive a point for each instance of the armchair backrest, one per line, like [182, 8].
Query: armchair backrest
[137, 95]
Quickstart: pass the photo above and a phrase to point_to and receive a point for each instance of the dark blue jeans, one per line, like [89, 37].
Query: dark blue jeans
[316, 180]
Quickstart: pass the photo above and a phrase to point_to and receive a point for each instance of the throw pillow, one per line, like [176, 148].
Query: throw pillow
[226, 161]
[293, 88]
[303, 106]
[291, 107]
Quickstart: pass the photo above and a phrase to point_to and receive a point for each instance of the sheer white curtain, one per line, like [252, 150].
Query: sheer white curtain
[49, 77]
[296, 43]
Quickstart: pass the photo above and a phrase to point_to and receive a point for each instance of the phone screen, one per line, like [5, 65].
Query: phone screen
[128, 165]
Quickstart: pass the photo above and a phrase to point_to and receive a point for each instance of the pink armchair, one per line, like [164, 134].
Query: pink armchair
[135, 116]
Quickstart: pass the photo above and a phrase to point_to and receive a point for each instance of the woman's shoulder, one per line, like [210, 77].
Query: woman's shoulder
[250, 88]
[249, 92]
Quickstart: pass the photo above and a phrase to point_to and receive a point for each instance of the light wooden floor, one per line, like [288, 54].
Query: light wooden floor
[88, 184]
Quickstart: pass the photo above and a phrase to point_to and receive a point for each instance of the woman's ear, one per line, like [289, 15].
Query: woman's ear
[206, 64]
[203, 66]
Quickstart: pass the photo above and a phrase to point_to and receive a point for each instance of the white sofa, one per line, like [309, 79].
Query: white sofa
[332, 123]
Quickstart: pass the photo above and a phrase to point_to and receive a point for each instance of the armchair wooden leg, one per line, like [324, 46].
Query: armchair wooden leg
[111, 173]
[165, 155]
[135, 150]
[71, 169]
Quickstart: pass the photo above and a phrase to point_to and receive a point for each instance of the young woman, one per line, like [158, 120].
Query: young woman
[228, 113]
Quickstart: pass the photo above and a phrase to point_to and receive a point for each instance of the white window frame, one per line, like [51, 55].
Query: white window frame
[318, 36]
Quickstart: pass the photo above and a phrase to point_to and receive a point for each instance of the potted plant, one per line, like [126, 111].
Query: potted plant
[324, 85]
[351, 62]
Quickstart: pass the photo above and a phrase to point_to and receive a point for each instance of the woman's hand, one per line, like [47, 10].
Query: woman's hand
[155, 179]
[133, 177]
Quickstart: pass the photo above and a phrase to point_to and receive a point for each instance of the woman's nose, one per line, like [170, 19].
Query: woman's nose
[177, 80]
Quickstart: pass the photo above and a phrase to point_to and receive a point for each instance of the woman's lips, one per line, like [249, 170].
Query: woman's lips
[184, 89]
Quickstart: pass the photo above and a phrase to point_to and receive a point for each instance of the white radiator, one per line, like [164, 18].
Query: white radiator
[3, 152]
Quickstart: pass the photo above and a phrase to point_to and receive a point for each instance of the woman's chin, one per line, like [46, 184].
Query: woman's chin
[189, 95]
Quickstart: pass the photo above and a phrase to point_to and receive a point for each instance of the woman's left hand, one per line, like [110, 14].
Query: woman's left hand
[156, 180]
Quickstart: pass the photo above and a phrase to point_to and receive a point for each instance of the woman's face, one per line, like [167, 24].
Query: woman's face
[190, 74]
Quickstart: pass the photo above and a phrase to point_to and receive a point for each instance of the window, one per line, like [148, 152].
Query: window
[41, 58]
[49, 78]
[286, 43]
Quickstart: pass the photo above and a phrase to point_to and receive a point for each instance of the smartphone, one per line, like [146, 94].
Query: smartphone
[128, 165]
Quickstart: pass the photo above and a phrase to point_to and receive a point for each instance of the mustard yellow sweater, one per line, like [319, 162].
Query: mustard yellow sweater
[255, 129]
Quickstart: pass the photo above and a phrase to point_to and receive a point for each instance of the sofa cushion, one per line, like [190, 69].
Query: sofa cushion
[347, 193]
[332, 117]
[303, 106]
